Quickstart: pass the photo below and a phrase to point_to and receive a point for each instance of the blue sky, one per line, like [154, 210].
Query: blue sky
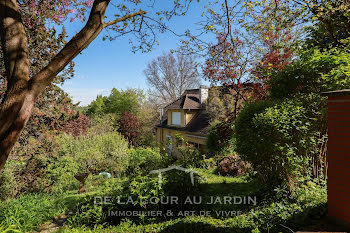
[105, 65]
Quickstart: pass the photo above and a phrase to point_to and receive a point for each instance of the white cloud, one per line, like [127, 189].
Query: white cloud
[85, 95]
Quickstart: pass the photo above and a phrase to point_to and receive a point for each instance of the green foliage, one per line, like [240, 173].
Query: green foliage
[147, 117]
[330, 23]
[144, 160]
[295, 123]
[178, 183]
[277, 139]
[91, 153]
[130, 102]
[139, 188]
[223, 101]
[220, 139]
[28, 212]
[142, 188]
[314, 71]
[305, 205]
[7, 182]
[97, 107]
[101, 124]
[117, 102]
[88, 214]
[190, 156]
[36, 145]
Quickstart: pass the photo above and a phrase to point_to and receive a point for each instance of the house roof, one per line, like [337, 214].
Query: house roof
[198, 124]
[188, 100]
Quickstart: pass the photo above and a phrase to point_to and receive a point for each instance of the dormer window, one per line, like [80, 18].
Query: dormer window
[176, 118]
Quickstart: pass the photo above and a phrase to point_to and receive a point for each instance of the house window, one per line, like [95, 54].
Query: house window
[170, 144]
[176, 118]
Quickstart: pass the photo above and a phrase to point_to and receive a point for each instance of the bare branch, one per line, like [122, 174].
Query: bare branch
[141, 12]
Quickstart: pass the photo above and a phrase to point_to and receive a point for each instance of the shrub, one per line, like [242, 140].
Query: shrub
[77, 126]
[7, 182]
[277, 139]
[128, 127]
[139, 189]
[102, 124]
[233, 166]
[94, 154]
[143, 160]
[179, 183]
[314, 71]
[220, 139]
[87, 214]
[190, 156]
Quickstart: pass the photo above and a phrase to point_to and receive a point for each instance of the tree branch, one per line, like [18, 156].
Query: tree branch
[78, 43]
[141, 12]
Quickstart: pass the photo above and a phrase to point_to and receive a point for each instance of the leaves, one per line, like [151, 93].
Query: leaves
[128, 127]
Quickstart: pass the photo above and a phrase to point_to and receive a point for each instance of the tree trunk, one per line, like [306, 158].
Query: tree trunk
[17, 104]
[11, 135]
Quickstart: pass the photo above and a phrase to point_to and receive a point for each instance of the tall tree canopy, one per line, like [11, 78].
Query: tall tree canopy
[168, 76]
[118, 102]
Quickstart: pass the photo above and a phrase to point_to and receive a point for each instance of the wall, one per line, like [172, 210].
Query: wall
[182, 116]
[338, 183]
[189, 115]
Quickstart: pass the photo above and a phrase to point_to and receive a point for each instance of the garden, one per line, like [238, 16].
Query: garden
[100, 167]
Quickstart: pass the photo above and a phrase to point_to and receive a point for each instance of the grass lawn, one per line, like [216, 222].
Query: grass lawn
[34, 212]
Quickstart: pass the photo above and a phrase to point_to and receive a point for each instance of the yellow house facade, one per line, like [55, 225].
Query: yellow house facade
[185, 117]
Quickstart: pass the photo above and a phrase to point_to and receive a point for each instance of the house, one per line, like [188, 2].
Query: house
[190, 115]
[187, 117]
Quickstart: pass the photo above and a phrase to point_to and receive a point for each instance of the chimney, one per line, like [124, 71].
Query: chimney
[161, 116]
[203, 93]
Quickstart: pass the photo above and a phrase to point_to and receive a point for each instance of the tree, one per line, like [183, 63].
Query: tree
[168, 76]
[23, 89]
[96, 106]
[228, 64]
[333, 17]
[128, 100]
[118, 102]
[78, 126]
[129, 125]
[132, 101]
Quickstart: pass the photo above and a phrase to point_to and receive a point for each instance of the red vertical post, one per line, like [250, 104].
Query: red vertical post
[338, 183]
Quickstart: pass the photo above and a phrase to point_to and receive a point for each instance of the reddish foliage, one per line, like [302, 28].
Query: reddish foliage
[229, 65]
[224, 62]
[35, 11]
[278, 54]
[233, 60]
[233, 166]
[78, 126]
[128, 127]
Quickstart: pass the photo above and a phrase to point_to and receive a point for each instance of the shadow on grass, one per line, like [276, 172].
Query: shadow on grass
[314, 219]
[234, 196]
[183, 227]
